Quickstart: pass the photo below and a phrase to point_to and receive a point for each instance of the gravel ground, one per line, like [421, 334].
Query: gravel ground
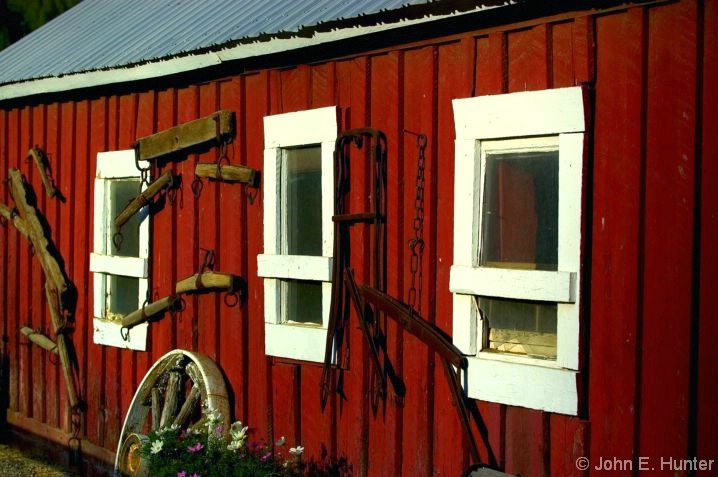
[14, 463]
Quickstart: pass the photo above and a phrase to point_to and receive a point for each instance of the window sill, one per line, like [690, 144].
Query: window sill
[109, 333]
[512, 380]
[301, 342]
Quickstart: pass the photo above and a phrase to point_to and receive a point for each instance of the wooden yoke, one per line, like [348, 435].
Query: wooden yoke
[217, 126]
[162, 182]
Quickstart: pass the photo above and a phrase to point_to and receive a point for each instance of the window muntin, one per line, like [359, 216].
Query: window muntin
[120, 273]
[507, 297]
[298, 231]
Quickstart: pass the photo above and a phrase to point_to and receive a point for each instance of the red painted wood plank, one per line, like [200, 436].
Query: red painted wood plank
[455, 75]
[53, 213]
[351, 415]
[527, 442]
[37, 277]
[562, 46]
[15, 242]
[258, 390]
[164, 237]
[146, 120]
[569, 442]
[295, 88]
[323, 84]
[5, 231]
[188, 254]
[71, 241]
[76, 182]
[491, 64]
[707, 412]
[287, 412]
[386, 428]
[419, 361]
[114, 372]
[584, 54]
[528, 67]
[208, 222]
[616, 235]
[25, 296]
[669, 207]
[96, 359]
[492, 432]
[234, 321]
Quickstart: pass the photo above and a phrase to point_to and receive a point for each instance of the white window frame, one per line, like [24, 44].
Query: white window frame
[526, 118]
[116, 165]
[281, 131]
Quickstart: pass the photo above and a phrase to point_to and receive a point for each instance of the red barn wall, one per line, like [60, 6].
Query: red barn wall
[650, 260]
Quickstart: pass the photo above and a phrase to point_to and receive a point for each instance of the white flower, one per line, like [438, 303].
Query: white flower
[237, 431]
[281, 441]
[156, 446]
[296, 450]
[235, 445]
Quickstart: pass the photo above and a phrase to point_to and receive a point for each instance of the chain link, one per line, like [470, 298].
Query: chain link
[416, 244]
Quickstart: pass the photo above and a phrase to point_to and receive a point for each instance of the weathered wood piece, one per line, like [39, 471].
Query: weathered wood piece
[36, 232]
[206, 280]
[188, 406]
[39, 339]
[146, 312]
[11, 216]
[53, 304]
[43, 166]
[214, 127]
[171, 398]
[156, 408]
[143, 199]
[227, 173]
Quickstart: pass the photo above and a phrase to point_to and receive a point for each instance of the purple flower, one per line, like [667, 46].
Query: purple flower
[220, 429]
[266, 456]
[195, 448]
[182, 473]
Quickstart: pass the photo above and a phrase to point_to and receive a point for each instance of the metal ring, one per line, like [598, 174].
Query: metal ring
[125, 333]
[197, 187]
[117, 240]
[231, 299]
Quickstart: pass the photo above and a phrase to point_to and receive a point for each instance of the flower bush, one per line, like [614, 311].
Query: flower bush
[210, 450]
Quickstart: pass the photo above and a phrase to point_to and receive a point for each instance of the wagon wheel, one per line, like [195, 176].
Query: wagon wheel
[171, 392]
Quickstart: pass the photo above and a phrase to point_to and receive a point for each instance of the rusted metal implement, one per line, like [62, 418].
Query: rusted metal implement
[451, 357]
[342, 219]
[169, 395]
[39, 157]
[218, 126]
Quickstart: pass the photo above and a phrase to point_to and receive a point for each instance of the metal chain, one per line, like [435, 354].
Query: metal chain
[416, 244]
[74, 444]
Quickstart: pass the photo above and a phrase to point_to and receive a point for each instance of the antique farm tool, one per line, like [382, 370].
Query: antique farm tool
[39, 157]
[342, 219]
[227, 173]
[451, 357]
[39, 339]
[170, 394]
[218, 126]
[56, 285]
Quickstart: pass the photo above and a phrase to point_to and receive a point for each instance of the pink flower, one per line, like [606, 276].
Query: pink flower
[220, 429]
[266, 456]
[182, 473]
[195, 448]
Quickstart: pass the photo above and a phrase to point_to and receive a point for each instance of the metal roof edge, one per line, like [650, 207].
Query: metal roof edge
[181, 64]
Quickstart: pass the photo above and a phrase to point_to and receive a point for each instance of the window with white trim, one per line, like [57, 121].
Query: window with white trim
[119, 273]
[298, 232]
[517, 245]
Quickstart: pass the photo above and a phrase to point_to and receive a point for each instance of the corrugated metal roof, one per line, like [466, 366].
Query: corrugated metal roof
[101, 35]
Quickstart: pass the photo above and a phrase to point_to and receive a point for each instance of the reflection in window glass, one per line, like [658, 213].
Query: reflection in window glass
[302, 190]
[520, 327]
[520, 211]
[304, 301]
[122, 191]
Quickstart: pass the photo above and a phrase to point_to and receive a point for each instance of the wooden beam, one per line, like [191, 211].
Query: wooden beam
[43, 167]
[217, 126]
[227, 173]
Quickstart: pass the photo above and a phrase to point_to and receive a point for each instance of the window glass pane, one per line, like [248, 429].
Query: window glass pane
[304, 301]
[123, 296]
[121, 192]
[520, 327]
[520, 211]
[302, 191]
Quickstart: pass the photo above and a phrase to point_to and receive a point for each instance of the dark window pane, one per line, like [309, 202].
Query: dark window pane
[122, 191]
[304, 301]
[123, 297]
[520, 211]
[303, 201]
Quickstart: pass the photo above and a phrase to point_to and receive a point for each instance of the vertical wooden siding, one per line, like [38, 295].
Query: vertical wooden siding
[651, 223]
